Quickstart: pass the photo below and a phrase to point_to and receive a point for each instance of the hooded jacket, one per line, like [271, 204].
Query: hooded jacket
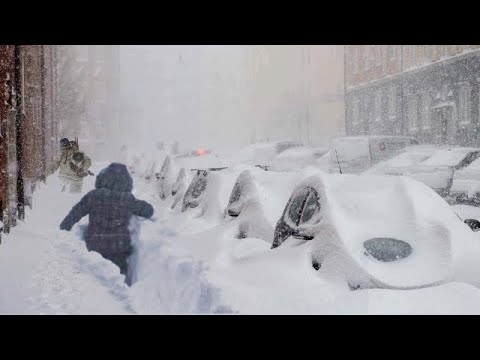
[109, 206]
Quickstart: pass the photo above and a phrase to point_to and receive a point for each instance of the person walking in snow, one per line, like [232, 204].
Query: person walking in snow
[74, 166]
[110, 207]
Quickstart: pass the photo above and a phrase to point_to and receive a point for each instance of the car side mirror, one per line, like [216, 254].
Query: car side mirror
[302, 234]
[473, 224]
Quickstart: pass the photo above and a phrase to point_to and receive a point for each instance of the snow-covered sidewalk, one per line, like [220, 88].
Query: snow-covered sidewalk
[47, 271]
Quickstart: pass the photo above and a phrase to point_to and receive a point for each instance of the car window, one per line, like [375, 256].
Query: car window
[296, 206]
[311, 207]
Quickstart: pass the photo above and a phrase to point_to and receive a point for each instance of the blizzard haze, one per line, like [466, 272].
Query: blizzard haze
[227, 96]
[192, 94]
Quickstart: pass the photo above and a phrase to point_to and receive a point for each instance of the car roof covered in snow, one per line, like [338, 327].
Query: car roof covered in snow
[274, 189]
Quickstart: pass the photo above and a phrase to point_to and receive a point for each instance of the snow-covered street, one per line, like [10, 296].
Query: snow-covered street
[239, 179]
[182, 265]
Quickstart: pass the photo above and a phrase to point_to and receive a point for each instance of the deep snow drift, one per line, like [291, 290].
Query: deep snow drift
[47, 271]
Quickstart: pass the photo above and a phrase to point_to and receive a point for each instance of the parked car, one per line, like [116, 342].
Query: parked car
[378, 231]
[257, 199]
[400, 164]
[180, 185]
[299, 158]
[263, 154]
[208, 192]
[465, 187]
[439, 169]
[355, 154]
[166, 178]
[204, 161]
[195, 191]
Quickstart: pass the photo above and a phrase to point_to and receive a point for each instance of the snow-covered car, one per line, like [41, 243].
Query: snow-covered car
[204, 161]
[398, 165]
[166, 178]
[208, 192]
[355, 154]
[438, 170]
[194, 194]
[257, 199]
[263, 154]
[144, 163]
[378, 231]
[180, 186]
[465, 187]
[298, 158]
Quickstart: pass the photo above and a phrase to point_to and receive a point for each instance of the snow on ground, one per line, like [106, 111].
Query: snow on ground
[47, 271]
[185, 264]
[256, 280]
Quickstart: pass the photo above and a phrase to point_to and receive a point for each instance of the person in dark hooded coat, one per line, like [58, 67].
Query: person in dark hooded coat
[110, 206]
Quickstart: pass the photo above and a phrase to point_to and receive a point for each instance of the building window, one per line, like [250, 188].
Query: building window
[412, 112]
[392, 103]
[425, 111]
[378, 106]
[465, 97]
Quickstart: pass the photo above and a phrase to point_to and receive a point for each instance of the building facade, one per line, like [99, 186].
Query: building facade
[296, 92]
[430, 92]
[27, 125]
